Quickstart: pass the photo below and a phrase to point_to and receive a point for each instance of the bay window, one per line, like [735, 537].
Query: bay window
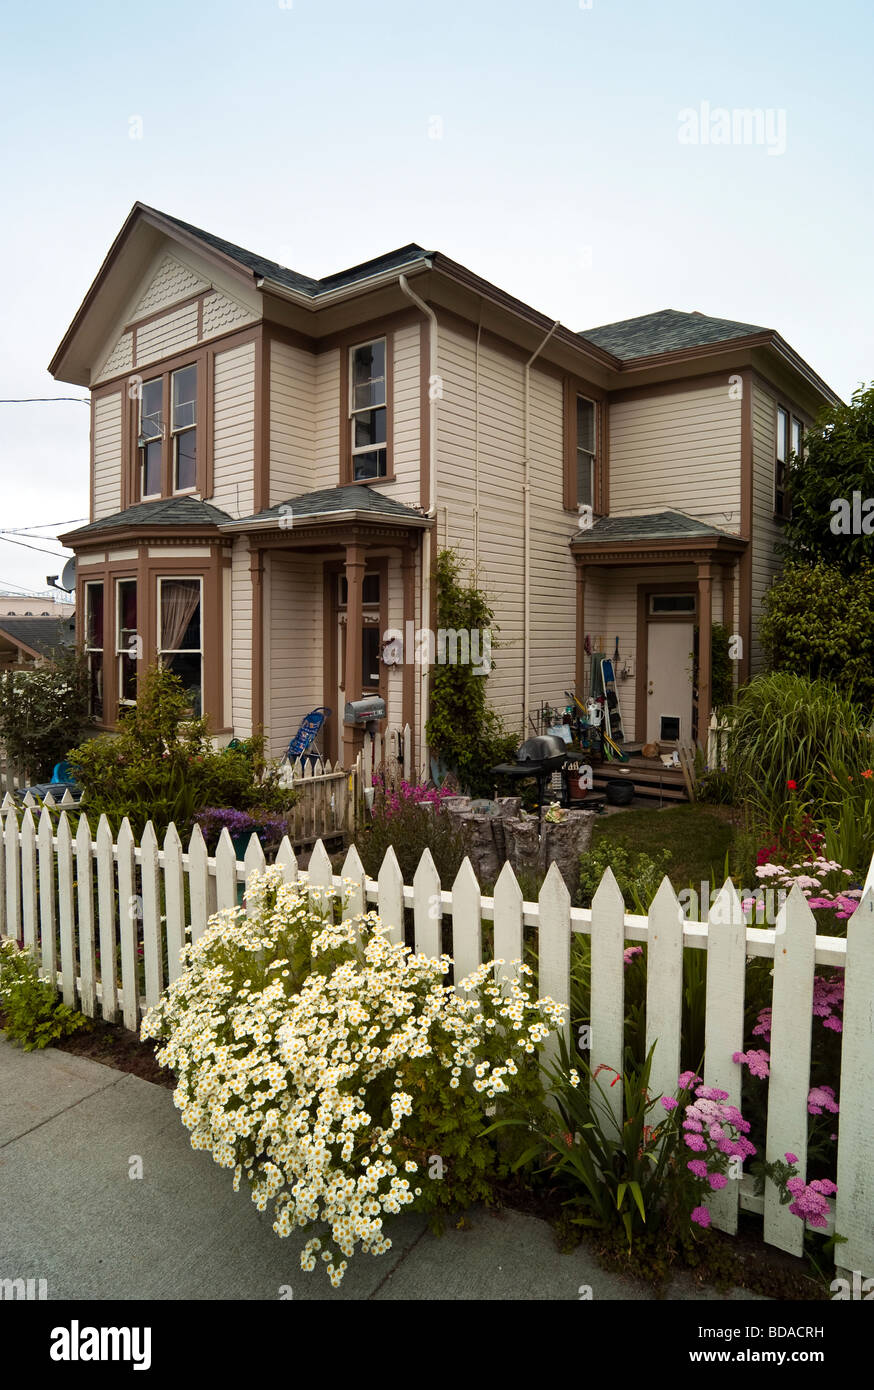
[127, 640]
[94, 648]
[180, 634]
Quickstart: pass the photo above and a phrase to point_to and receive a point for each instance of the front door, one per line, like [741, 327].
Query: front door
[669, 682]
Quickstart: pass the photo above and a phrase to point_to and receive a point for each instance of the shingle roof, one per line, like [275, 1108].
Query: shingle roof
[654, 526]
[165, 511]
[356, 497]
[305, 284]
[666, 331]
[43, 635]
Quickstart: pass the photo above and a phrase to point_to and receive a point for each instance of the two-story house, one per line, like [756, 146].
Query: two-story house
[276, 462]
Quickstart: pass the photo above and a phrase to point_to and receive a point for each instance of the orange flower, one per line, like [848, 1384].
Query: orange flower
[868, 772]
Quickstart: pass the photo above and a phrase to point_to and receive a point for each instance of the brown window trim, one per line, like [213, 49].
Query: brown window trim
[201, 358]
[354, 339]
[147, 570]
[783, 513]
[573, 387]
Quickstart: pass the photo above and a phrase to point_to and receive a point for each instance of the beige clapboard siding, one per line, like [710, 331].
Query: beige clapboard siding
[294, 672]
[766, 531]
[500, 551]
[678, 450]
[407, 397]
[241, 640]
[163, 337]
[326, 471]
[106, 447]
[234, 430]
[292, 421]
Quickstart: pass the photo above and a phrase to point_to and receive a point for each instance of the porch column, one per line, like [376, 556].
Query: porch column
[581, 676]
[355, 565]
[256, 569]
[408, 576]
[705, 654]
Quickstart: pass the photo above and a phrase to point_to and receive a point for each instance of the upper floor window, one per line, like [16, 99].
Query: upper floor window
[168, 459]
[184, 429]
[151, 437]
[585, 452]
[781, 494]
[581, 426]
[368, 410]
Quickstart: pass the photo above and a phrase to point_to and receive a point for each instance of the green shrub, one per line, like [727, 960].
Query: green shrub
[721, 668]
[33, 1015]
[410, 829]
[42, 712]
[637, 874]
[163, 767]
[819, 622]
[337, 1073]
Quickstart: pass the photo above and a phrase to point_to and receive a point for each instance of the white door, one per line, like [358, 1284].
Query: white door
[669, 683]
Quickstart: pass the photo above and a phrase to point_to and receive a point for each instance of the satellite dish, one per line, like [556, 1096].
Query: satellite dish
[68, 576]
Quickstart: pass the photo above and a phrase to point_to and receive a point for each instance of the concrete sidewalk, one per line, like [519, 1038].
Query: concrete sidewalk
[70, 1213]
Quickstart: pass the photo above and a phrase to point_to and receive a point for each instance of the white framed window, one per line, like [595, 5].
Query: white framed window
[127, 640]
[94, 613]
[797, 437]
[585, 451]
[183, 428]
[368, 410]
[151, 437]
[781, 497]
[180, 633]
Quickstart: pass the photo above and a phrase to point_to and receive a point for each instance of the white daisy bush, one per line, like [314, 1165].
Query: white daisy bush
[336, 1072]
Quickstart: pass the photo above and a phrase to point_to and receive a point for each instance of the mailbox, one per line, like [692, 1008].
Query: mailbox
[361, 713]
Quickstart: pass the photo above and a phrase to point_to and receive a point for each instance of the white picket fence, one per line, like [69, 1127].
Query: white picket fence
[328, 799]
[387, 755]
[68, 897]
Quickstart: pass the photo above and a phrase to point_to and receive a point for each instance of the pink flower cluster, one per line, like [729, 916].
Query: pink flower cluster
[808, 875]
[828, 999]
[811, 1199]
[409, 793]
[756, 1059]
[822, 1098]
[630, 952]
[713, 1129]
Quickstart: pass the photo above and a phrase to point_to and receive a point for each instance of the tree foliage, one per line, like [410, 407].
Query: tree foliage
[838, 461]
[43, 711]
[819, 622]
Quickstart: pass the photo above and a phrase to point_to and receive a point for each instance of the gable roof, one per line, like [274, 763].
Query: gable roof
[329, 503]
[42, 636]
[668, 330]
[652, 526]
[263, 268]
[165, 511]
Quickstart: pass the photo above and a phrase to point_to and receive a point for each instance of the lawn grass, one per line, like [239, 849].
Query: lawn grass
[697, 836]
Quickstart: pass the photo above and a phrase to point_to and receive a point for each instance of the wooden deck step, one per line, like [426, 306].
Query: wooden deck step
[650, 778]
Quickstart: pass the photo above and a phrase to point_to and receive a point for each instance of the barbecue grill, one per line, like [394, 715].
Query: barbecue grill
[537, 757]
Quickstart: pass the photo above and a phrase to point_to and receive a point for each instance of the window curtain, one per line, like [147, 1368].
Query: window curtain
[179, 603]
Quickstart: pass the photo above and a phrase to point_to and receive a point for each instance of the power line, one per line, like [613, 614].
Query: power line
[42, 400]
[44, 526]
[7, 540]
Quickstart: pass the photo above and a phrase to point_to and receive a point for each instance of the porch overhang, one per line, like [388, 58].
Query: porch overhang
[665, 552]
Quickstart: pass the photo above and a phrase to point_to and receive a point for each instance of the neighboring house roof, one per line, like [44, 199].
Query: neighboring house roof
[331, 502]
[166, 511]
[39, 636]
[661, 526]
[668, 330]
[305, 284]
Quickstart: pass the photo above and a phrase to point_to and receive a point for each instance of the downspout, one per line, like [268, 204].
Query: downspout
[526, 534]
[479, 329]
[432, 481]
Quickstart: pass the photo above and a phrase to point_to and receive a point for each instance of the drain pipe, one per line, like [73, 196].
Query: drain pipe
[432, 480]
[526, 534]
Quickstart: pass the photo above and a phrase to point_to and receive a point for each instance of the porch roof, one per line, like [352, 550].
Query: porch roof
[354, 502]
[38, 636]
[163, 512]
[626, 539]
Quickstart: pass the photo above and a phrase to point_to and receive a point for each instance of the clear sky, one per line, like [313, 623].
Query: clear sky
[544, 145]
